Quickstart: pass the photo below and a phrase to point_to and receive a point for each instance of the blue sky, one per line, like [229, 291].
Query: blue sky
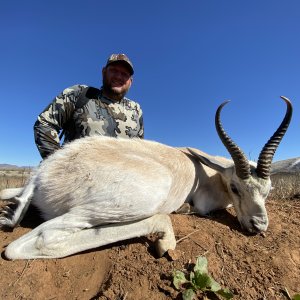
[189, 56]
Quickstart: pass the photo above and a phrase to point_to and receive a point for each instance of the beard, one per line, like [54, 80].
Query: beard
[113, 91]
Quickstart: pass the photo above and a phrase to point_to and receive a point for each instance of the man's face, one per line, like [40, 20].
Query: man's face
[116, 79]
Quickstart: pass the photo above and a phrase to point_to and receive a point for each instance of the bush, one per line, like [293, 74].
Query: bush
[285, 186]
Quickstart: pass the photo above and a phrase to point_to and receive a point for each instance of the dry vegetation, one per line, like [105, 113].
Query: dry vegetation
[285, 186]
[13, 177]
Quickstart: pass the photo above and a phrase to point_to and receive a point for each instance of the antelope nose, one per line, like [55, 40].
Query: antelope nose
[258, 226]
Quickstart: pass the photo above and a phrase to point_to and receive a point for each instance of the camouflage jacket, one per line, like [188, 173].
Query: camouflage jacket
[99, 116]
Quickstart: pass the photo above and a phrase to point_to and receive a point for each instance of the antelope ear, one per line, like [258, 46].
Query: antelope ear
[211, 161]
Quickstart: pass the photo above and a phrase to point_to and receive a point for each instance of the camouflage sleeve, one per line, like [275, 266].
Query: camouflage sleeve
[51, 121]
[141, 120]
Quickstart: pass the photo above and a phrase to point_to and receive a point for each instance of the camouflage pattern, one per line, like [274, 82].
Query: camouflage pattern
[100, 116]
[120, 57]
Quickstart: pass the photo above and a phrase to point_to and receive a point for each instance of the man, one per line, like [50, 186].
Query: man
[81, 111]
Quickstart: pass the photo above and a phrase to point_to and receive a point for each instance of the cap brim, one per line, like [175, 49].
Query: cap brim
[123, 62]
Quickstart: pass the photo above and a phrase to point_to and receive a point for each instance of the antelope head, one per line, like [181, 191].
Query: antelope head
[248, 184]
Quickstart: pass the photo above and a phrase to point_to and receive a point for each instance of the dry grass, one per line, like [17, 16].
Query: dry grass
[285, 186]
[13, 177]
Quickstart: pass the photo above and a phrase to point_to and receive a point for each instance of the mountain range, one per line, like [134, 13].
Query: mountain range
[8, 166]
[291, 165]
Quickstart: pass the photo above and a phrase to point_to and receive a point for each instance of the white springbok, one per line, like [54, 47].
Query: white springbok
[99, 190]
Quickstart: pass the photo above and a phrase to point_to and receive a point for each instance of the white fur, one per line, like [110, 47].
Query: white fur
[10, 193]
[98, 190]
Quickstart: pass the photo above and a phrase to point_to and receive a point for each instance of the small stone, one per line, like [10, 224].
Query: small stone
[174, 254]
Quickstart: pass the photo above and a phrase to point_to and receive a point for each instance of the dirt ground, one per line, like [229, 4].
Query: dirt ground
[252, 267]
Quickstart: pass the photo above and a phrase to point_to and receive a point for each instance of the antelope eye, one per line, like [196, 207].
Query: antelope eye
[234, 189]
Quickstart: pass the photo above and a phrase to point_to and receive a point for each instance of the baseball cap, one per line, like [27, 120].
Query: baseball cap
[121, 58]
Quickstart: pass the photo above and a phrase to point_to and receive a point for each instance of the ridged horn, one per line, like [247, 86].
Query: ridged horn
[241, 163]
[266, 155]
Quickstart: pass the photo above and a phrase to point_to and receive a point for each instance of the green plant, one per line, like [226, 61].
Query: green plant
[287, 294]
[199, 280]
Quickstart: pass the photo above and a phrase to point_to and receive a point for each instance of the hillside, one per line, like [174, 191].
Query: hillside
[291, 165]
[9, 167]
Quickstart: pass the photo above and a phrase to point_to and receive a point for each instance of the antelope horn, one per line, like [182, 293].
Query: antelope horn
[266, 155]
[241, 163]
